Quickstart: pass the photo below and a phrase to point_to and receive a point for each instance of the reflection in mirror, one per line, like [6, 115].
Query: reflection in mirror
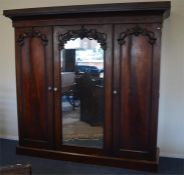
[82, 82]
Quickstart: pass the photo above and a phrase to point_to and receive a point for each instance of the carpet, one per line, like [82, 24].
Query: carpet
[73, 128]
[167, 166]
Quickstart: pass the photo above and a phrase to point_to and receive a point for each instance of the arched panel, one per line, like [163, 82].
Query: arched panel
[35, 66]
[134, 71]
[135, 88]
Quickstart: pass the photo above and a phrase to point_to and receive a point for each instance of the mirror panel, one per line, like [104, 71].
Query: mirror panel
[82, 97]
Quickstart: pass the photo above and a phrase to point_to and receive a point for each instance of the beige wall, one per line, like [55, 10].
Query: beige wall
[171, 113]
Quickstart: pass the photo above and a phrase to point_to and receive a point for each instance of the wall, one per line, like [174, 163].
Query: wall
[171, 113]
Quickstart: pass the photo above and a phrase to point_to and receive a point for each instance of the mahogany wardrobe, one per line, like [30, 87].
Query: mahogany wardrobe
[87, 81]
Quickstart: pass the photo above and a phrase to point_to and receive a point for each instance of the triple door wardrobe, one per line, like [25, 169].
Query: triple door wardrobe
[88, 82]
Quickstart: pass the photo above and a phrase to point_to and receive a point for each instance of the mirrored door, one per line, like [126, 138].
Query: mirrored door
[82, 55]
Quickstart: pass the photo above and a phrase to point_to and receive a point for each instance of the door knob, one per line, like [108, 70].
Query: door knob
[115, 92]
[55, 89]
[49, 88]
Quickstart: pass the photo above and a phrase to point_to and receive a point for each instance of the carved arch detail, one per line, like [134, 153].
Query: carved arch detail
[137, 30]
[32, 34]
[83, 33]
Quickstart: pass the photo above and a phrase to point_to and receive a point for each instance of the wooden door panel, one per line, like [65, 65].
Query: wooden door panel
[135, 56]
[35, 75]
[33, 90]
[135, 87]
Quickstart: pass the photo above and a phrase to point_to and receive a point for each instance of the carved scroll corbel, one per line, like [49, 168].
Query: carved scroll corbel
[31, 34]
[83, 33]
[136, 31]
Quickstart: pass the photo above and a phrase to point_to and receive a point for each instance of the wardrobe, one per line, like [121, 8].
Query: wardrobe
[87, 81]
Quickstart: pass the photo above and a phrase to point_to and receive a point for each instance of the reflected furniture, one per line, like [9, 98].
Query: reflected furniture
[68, 60]
[90, 94]
[68, 79]
[130, 35]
